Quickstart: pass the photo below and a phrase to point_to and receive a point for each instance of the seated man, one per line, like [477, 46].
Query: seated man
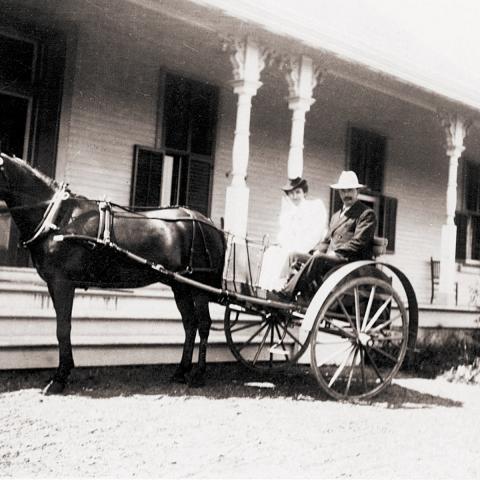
[349, 238]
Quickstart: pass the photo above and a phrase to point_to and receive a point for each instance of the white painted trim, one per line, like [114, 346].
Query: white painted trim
[167, 175]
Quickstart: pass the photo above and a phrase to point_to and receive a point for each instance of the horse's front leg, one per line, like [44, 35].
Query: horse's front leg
[62, 293]
[204, 322]
[185, 305]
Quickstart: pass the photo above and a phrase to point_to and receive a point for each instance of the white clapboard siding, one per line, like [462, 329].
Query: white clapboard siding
[109, 327]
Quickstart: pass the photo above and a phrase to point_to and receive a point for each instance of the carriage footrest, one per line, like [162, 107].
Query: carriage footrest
[279, 350]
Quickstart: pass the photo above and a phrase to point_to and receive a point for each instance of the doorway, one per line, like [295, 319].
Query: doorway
[13, 141]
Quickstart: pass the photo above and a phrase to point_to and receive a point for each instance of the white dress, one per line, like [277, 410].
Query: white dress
[301, 228]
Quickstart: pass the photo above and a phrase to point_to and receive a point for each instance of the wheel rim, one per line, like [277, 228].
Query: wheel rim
[264, 341]
[359, 339]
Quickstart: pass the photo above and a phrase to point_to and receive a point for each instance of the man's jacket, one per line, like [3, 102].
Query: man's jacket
[351, 235]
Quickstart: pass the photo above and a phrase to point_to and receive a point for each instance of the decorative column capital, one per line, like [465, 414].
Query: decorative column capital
[456, 128]
[248, 59]
[302, 77]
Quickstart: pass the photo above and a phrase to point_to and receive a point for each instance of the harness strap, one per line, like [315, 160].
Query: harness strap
[105, 221]
[196, 229]
[50, 216]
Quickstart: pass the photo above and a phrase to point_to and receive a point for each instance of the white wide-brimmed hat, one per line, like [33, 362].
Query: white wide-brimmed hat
[348, 179]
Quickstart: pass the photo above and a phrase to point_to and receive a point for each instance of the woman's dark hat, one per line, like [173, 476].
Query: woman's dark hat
[294, 183]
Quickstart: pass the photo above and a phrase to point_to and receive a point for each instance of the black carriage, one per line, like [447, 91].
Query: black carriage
[356, 331]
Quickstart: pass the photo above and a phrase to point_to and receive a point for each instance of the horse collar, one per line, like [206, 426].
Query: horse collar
[50, 216]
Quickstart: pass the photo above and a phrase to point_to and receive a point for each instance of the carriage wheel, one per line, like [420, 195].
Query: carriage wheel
[264, 341]
[359, 339]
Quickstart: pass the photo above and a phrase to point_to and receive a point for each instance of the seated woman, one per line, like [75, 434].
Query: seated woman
[302, 225]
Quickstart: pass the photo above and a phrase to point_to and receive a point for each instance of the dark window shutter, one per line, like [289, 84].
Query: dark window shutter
[367, 157]
[475, 238]
[177, 112]
[147, 178]
[388, 221]
[461, 221]
[203, 118]
[472, 186]
[376, 164]
[335, 202]
[357, 154]
[199, 185]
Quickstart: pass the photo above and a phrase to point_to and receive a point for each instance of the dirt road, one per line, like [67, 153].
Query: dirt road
[131, 422]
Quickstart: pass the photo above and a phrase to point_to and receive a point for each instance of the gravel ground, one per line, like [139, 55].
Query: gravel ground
[130, 422]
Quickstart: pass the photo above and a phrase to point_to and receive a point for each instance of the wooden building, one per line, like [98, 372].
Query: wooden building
[213, 104]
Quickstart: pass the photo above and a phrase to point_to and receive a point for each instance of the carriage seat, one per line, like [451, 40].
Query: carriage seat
[379, 248]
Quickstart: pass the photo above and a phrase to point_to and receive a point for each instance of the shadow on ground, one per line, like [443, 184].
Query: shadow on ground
[224, 380]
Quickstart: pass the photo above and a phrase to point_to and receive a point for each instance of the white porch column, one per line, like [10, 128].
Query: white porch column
[248, 60]
[302, 78]
[455, 128]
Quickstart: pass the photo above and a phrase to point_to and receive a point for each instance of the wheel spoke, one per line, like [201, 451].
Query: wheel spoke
[379, 312]
[385, 354]
[280, 343]
[333, 355]
[344, 310]
[374, 365]
[392, 337]
[339, 328]
[362, 369]
[350, 375]
[295, 339]
[369, 307]
[357, 308]
[246, 325]
[341, 366]
[253, 336]
[262, 344]
[385, 324]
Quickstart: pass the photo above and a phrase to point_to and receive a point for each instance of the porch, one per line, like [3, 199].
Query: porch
[143, 326]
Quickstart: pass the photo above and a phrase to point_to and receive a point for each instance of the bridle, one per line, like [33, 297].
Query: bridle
[47, 224]
[2, 169]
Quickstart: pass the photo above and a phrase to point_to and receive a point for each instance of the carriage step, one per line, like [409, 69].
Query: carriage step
[279, 350]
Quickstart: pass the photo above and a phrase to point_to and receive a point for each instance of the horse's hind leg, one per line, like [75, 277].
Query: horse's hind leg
[204, 323]
[184, 301]
[62, 294]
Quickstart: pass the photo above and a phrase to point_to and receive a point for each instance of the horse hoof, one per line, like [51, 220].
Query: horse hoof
[54, 387]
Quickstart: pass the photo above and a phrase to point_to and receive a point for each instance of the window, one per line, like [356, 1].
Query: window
[180, 171]
[366, 153]
[31, 86]
[467, 218]
[367, 158]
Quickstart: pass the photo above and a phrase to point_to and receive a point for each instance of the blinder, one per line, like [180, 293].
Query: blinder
[2, 168]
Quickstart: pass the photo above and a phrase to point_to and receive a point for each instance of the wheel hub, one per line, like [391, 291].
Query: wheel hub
[364, 338]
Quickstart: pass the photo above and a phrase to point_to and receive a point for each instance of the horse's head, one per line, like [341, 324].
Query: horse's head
[20, 183]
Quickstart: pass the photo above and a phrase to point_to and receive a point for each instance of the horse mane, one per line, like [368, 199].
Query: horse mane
[50, 182]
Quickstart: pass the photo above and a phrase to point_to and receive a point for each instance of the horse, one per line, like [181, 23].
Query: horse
[76, 242]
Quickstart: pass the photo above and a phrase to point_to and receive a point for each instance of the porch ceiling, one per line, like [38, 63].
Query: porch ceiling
[200, 27]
